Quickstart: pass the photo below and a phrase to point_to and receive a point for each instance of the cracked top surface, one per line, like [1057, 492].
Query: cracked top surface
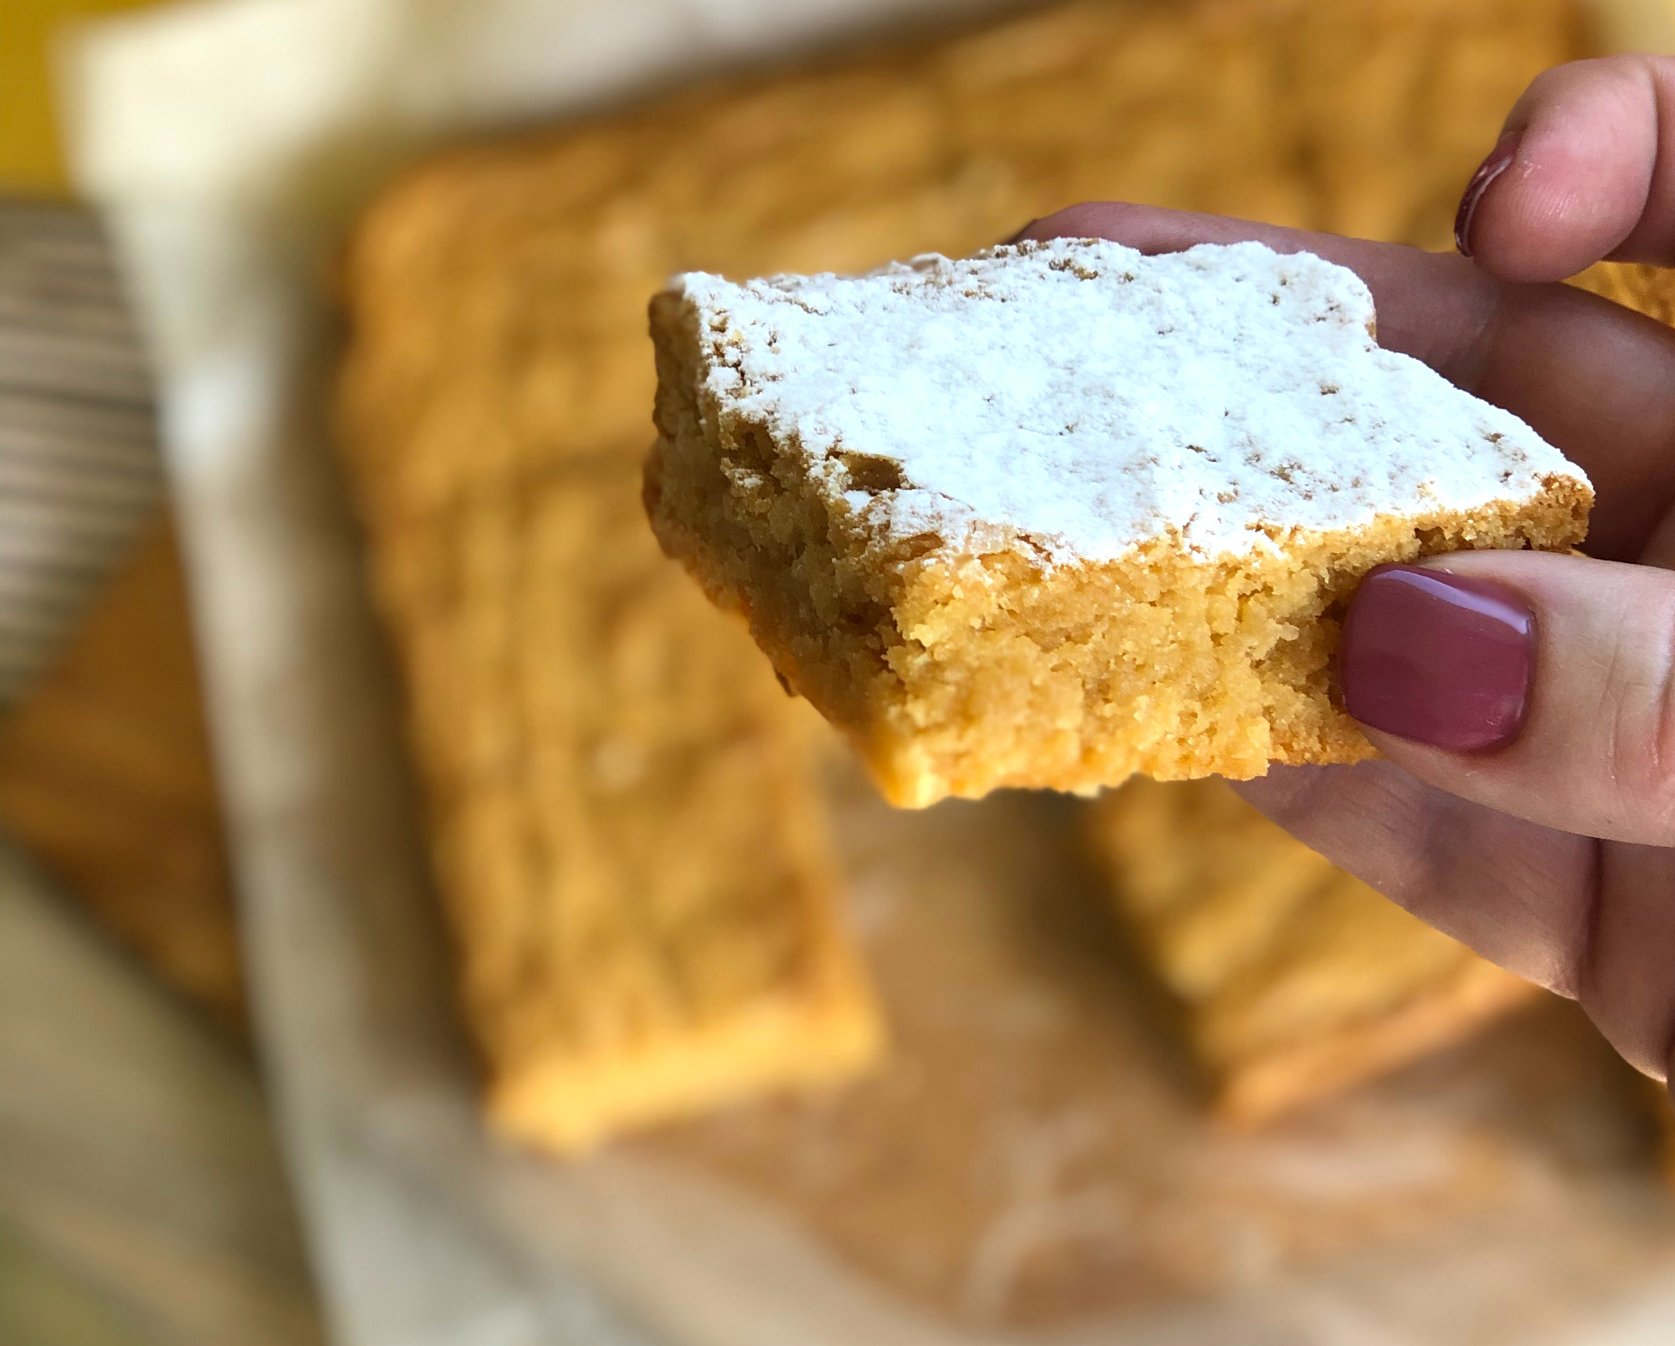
[1090, 399]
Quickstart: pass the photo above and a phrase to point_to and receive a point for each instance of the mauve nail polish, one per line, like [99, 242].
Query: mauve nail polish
[1499, 160]
[1438, 658]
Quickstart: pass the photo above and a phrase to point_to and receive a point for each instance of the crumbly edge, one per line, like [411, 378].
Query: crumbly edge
[917, 648]
[1267, 1087]
[565, 1104]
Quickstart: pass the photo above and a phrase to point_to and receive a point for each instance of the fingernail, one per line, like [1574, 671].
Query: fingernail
[1438, 658]
[1499, 160]
[1017, 237]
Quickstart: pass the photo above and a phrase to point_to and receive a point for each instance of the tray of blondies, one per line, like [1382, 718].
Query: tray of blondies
[605, 996]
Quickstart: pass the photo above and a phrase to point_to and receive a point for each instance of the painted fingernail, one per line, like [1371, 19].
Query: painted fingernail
[1499, 160]
[1438, 658]
[1017, 237]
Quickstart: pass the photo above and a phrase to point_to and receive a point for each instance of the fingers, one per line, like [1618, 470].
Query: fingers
[1595, 924]
[1516, 892]
[1518, 697]
[1460, 836]
[1430, 306]
[1622, 974]
[1584, 169]
[1588, 375]
[1539, 685]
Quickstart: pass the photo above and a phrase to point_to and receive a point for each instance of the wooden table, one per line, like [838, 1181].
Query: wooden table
[106, 780]
[141, 1195]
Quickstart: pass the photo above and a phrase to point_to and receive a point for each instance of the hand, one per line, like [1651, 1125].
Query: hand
[1525, 802]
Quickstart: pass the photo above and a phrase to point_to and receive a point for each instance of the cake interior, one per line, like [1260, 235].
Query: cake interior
[957, 667]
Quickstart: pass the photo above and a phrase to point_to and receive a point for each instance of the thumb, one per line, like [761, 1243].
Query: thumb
[1540, 685]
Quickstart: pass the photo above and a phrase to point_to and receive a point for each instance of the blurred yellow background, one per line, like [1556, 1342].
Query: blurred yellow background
[31, 159]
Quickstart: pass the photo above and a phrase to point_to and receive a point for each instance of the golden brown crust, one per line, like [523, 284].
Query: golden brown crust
[1292, 979]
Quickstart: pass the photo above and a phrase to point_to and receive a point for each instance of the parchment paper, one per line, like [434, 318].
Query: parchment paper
[1501, 1198]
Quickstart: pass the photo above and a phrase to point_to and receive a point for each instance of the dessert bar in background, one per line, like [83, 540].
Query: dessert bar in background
[1286, 978]
[620, 795]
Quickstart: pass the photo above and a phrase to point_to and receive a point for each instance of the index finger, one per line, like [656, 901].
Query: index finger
[1591, 377]
[1584, 169]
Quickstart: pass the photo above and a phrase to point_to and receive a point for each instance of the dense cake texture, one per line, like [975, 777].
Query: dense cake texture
[1061, 513]
[1289, 978]
[623, 807]
[625, 817]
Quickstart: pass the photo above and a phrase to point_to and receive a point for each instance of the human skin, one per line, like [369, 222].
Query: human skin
[1525, 802]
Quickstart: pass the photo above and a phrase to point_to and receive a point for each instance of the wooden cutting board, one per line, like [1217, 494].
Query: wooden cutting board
[106, 780]
[105, 774]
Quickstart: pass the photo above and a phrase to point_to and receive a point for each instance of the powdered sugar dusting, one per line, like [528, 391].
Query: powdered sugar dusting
[1090, 398]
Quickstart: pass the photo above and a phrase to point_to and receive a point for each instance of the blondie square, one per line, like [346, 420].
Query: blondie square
[1060, 512]
[627, 825]
[1289, 978]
